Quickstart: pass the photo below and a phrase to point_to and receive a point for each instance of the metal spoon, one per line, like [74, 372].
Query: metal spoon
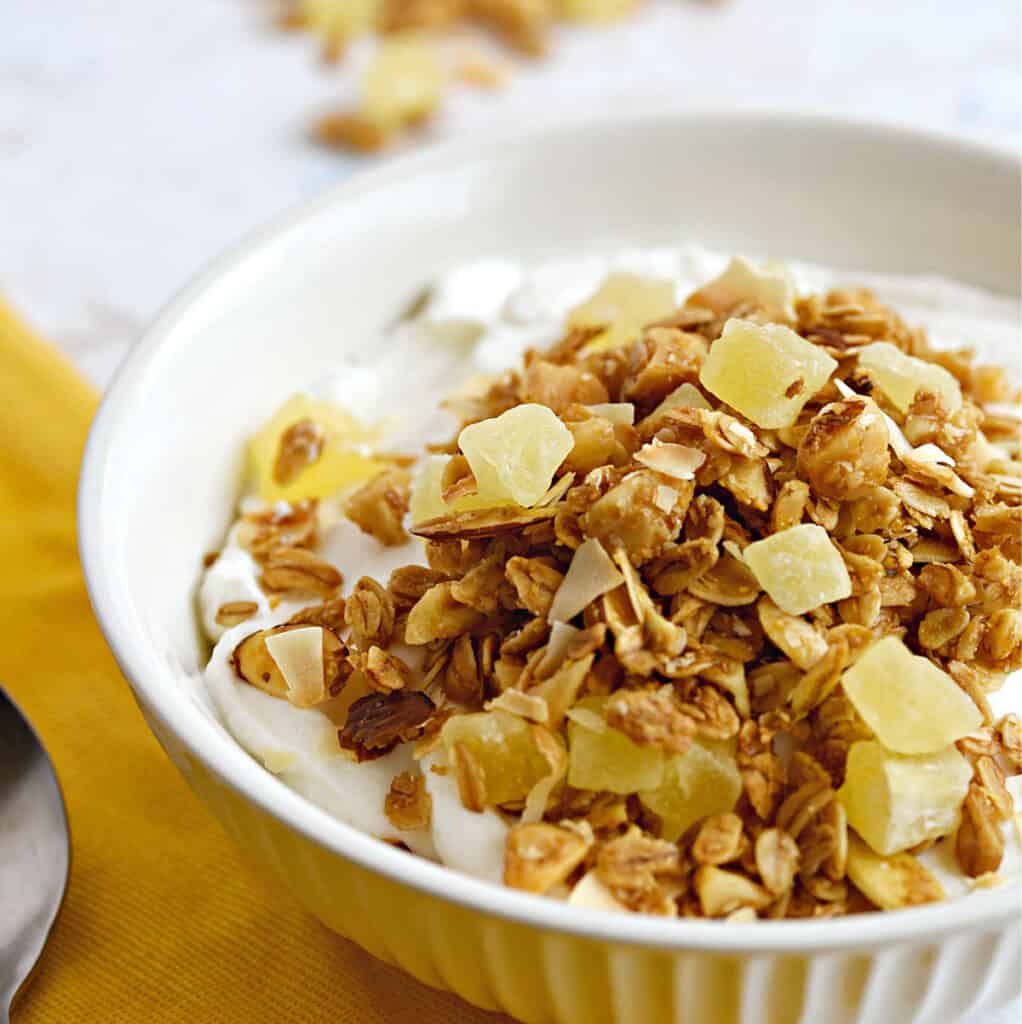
[34, 851]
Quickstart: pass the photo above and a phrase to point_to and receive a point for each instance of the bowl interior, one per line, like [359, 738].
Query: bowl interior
[163, 466]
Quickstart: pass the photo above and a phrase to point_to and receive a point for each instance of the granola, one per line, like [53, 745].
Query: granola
[685, 641]
[407, 80]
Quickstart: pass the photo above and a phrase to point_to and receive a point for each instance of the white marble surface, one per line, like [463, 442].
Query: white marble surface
[137, 139]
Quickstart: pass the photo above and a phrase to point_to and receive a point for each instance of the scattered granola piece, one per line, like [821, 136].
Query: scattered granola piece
[722, 892]
[232, 613]
[408, 805]
[891, 882]
[370, 614]
[378, 507]
[844, 453]
[652, 718]
[299, 570]
[540, 856]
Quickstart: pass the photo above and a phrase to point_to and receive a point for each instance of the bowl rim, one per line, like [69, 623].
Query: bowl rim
[233, 767]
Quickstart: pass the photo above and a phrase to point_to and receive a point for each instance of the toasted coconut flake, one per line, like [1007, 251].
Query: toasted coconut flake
[524, 705]
[562, 635]
[932, 453]
[617, 412]
[673, 460]
[557, 491]
[539, 796]
[298, 654]
[590, 575]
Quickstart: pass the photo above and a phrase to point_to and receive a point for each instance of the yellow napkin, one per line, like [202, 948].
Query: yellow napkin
[163, 922]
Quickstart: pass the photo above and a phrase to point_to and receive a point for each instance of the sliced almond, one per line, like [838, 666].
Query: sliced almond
[890, 882]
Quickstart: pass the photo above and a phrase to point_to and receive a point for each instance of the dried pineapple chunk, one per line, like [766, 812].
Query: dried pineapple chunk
[504, 749]
[514, 456]
[799, 568]
[427, 490]
[900, 376]
[910, 704]
[768, 286]
[623, 304]
[595, 10]
[684, 396]
[895, 801]
[765, 371]
[339, 19]
[403, 84]
[339, 463]
[427, 500]
[605, 758]
[702, 781]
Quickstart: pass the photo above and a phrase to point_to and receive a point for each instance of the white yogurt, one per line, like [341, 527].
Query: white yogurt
[480, 318]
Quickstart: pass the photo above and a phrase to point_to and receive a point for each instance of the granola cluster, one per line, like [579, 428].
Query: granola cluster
[649, 670]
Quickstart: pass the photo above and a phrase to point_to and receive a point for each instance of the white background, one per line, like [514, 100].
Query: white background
[140, 137]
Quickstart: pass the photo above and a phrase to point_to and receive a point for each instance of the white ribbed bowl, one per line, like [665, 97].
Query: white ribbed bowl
[163, 466]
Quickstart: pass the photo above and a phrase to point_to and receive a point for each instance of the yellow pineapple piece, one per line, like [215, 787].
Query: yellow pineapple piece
[768, 286]
[684, 396]
[340, 19]
[799, 568]
[895, 801]
[702, 781]
[427, 500]
[910, 704]
[595, 10]
[339, 462]
[514, 456]
[623, 305]
[900, 376]
[603, 758]
[427, 489]
[403, 84]
[765, 371]
[503, 748]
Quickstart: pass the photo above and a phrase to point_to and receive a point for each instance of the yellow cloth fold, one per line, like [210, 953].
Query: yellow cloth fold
[163, 921]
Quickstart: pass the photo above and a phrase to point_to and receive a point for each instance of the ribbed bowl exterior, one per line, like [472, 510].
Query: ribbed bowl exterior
[547, 977]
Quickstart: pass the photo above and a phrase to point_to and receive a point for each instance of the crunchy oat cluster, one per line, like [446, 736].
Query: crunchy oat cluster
[728, 654]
